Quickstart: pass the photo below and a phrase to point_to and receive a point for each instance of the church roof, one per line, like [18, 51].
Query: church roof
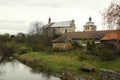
[62, 24]
[90, 22]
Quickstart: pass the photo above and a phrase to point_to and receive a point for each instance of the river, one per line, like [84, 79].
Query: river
[15, 70]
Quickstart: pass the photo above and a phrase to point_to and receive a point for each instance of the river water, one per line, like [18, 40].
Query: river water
[15, 70]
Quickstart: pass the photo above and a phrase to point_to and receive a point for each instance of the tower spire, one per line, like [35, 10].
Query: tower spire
[90, 19]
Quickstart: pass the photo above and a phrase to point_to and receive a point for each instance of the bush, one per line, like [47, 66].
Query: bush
[90, 47]
[117, 50]
[57, 50]
[4, 50]
[80, 52]
[24, 50]
[104, 53]
[48, 50]
[12, 45]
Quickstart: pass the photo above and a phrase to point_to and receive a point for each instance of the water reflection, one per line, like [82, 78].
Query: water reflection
[15, 70]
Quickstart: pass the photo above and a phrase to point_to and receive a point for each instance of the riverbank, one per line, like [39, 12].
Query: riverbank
[57, 63]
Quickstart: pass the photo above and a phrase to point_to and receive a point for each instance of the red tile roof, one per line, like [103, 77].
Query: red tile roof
[112, 35]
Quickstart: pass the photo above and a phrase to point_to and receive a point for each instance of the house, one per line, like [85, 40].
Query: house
[60, 28]
[79, 37]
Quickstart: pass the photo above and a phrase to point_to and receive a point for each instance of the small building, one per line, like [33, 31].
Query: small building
[61, 27]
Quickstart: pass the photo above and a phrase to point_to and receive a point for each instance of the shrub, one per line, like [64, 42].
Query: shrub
[4, 50]
[69, 46]
[117, 50]
[57, 50]
[82, 57]
[12, 45]
[48, 50]
[90, 47]
[24, 50]
[104, 53]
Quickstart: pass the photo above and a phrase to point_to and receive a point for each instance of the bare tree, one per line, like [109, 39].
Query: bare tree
[38, 37]
[36, 28]
[111, 15]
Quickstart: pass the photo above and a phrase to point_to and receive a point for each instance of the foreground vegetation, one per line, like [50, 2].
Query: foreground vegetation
[57, 63]
[36, 53]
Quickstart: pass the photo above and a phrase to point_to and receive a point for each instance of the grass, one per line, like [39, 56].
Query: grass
[59, 62]
[56, 62]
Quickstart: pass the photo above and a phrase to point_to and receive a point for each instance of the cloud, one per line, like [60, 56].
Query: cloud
[10, 31]
[13, 2]
[55, 3]
[13, 26]
[12, 22]
[16, 14]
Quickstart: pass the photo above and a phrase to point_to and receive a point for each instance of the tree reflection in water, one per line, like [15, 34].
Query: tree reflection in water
[15, 70]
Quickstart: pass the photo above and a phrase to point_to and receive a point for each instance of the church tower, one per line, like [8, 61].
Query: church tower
[89, 26]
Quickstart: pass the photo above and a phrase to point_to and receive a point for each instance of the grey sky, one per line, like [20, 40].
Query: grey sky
[16, 15]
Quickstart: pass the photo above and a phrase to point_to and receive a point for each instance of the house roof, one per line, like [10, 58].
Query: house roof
[80, 35]
[112, 35]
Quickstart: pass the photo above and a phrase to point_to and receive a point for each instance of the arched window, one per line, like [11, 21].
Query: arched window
[88, 27]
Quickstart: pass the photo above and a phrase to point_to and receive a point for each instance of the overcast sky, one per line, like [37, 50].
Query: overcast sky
[16, 15]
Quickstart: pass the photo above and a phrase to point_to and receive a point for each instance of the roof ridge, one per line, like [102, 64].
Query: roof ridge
[61, 21]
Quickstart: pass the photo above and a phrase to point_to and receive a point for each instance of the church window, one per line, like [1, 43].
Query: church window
[88, 28]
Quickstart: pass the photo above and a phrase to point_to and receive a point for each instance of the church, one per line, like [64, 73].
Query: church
[61, 27]
[68, 35]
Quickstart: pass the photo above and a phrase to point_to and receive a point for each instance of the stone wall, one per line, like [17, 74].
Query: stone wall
[109, 75]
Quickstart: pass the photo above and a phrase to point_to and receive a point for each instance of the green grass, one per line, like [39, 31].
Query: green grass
[58, 62]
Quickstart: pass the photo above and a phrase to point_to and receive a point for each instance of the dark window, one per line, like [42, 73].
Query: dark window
[88, 28]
